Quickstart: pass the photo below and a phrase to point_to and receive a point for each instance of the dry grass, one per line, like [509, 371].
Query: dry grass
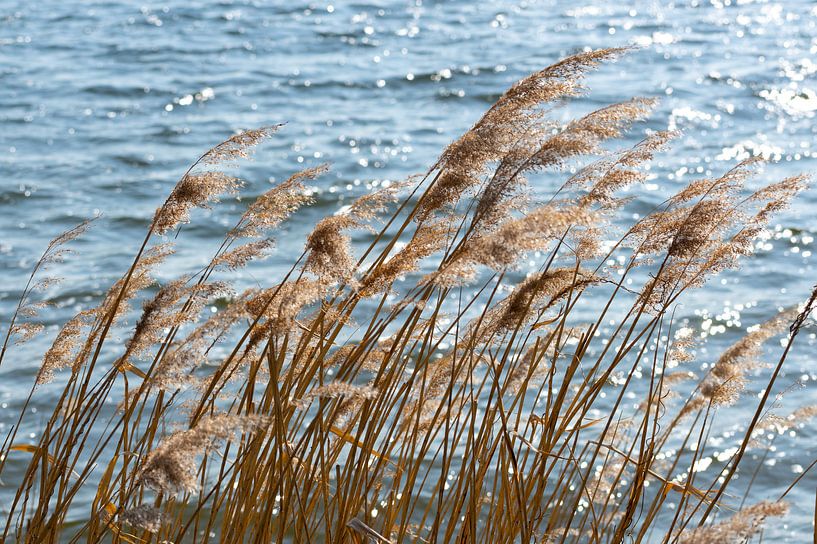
[453, 407]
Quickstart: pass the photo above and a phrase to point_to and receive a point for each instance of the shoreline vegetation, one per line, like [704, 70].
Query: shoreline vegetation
[416, 389]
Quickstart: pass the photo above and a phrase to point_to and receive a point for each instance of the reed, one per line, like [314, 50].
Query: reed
[418, 388]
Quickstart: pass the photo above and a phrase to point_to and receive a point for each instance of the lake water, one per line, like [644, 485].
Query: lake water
[104, 104]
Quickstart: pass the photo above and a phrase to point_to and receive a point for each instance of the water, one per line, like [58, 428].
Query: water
[104, 104]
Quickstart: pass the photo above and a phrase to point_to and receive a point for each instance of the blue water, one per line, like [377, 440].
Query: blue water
[104, 104]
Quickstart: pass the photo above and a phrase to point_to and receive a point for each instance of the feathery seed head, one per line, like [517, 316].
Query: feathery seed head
[271, 208]
[192, 191]
[172, 465]
[329, 249]
[239, 145]
[740, 527]
[145, 517]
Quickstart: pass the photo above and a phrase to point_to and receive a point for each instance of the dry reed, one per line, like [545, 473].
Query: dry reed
[367, 396]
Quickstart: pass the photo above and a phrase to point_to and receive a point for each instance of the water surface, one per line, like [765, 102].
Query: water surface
[104, 104]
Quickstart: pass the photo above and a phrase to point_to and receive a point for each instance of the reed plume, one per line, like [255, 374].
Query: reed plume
[172, 465]
[738, 528]
[728, 375]
[193, 191]
[464, 160]
[278, 203]
[329, 252]
[145, 517]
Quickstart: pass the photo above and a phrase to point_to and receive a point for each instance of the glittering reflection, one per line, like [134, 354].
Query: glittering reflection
[793, 100]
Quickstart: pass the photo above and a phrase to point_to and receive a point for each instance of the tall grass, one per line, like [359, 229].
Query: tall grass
[417, 389]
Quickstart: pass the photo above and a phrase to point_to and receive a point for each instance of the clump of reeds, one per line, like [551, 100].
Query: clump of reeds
[415, 388]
